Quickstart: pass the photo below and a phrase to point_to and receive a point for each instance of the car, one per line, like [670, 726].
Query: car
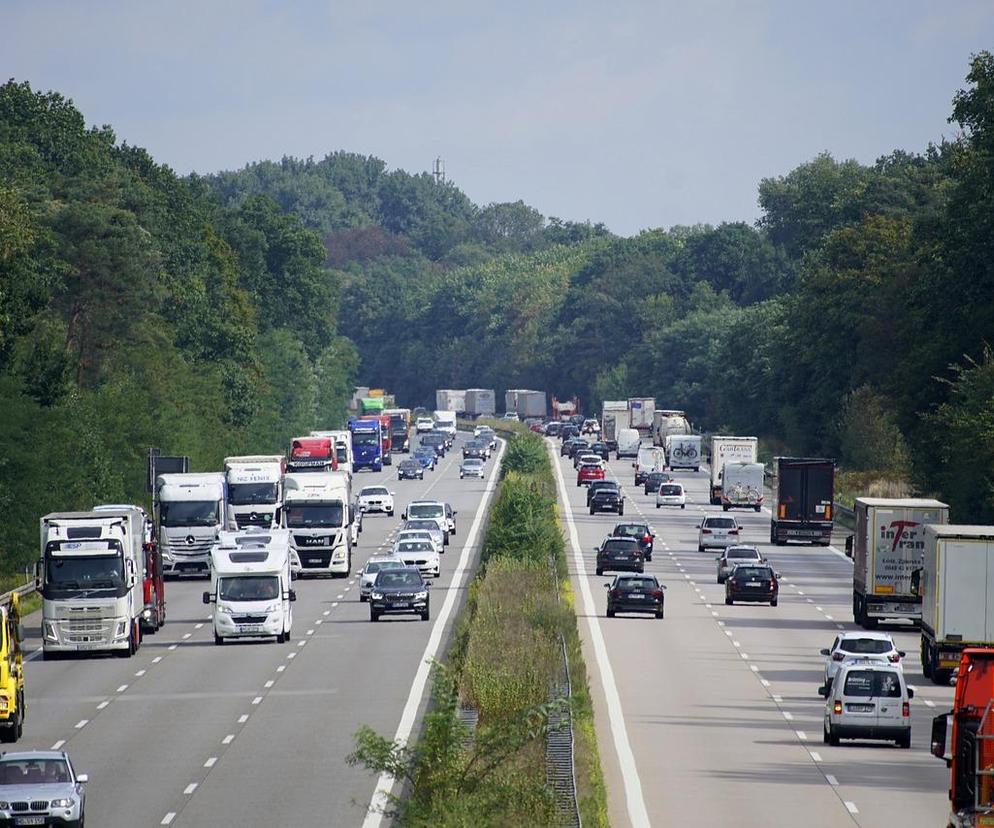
[420, 553]
[642, 532]
[448, 438]
[410, 470]
[586, 457]
[590, 426]
[41, 787]
[419, 534]
[671, 494]
[552, 429]
[619, 555]
[635, 593]
[376, 499]
[567, 430]
[402, 590]
[735, 555]
[511, 417]
[717, 532]
[578, 446]
[538, 428]
[607, 498]
[426, 456]
[369, 571]
[654, 480]
[436, 442]
[450, 518]
[432, 509]
[488, 436]
[868, 701]
[567, 446]
[752, 582]
[472, 467]
[867, 647]
[602, 450]
[433, 525]
[599, 484]
[423, 425]
[589, 472]
[476, 448]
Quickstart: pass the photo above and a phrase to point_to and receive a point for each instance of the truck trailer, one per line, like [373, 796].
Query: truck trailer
[614, 417]
[481, 402]
[641, 414]
[450, 399]
[804, 500]
[667, 422]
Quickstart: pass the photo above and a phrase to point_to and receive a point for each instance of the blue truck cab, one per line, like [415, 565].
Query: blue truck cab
[366, 445]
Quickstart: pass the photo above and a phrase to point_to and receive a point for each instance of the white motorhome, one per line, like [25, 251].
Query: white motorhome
[90, 579]
[742, 485]
[190, 510]
[446, 421]
[683, 451]
[343, 447]
[317, 509]
[250, 585]
[255, 490]
[725, 449]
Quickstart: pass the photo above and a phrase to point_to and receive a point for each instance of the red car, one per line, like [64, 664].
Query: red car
[589, 472]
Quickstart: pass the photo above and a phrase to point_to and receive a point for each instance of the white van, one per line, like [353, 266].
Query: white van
[628, 442]
[250, 585]
[868, 701]
[446, 421]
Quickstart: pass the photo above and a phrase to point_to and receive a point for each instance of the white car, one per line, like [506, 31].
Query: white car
[867, 647]
[587, 459]
[419, 553]
[590, 426]
[417, 534]
[374, 565]
[717, 532]
[472, 467]
[433, 525]
[375, 499]
[671, 494]
[424, 424]
[733, 556]
[431, 509]
[868, 701]
[511, 416]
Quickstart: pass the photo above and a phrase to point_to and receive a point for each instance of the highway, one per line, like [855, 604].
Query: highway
[711, 716]
[255, 733]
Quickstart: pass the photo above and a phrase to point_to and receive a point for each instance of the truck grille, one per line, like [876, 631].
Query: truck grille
[250, 519]
[316, 559]
[249, 619]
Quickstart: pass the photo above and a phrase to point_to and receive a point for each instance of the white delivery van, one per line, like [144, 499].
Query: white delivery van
[683, 451]
[446, 421]
[628, 442]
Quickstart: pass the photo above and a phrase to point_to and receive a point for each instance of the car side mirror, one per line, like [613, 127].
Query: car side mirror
[902, 653]
[292, 594]
[825, 651]
[82, 779]
[823, 691]
[427, 584]
[20, 632]
[778, 575]
[911, 693]
[607, 586]
[208, 598]
[698, 526]
[403, 515]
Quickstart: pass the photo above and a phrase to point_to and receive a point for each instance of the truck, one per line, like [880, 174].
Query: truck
[481, 402]
[957, 595]
[317, 510]
[90, 581]
[887, 548]
[255, 489]
[723, 449]
[525, 403]
[683, 451]
[342, 440]
[667, 421]
[367, 445]
[450, 399]
[386, 443]
[250, 585]
[614, 417]
[12, 709]
[641, 411]
[400, 429]
[742, 485]
[312, 454]
[805, 488]
[370, 405]
[964, 739]
[189, 511]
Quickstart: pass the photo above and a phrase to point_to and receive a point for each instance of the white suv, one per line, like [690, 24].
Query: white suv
[717, 532]
[868, 647]
[376, 499]
[868, 701]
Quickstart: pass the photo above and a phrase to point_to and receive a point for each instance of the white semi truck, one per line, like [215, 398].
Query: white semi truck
[190, 510]
[255, 490]
[725, 449]
[317, 509]
[91, 582]
[614, 417]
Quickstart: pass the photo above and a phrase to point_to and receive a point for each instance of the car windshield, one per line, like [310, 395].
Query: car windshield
[414, 546]
[637, 583]
[869, 684]
[307, 515]
[865, 646]
[589, 467]
[244, 494]
[373, 491]
[405, 578]
[671, 490]
[631, 530]
[472, 461]
[33, 771]
[376, 566]
[743, 553]
[248, 588]
[719, 523]
[619, 546]
[753, 572]
[429, 525]
[425, 510]
[188, 512]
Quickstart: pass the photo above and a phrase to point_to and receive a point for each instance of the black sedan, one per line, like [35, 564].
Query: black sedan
[635, 593]
[654, 480]
[399, 590]
[474, 448]
[619, 555]
[564, 449]
[552, 429]
[577, 446]
[752, 583]
[434, 441]
[641, 532]
[599, 484]
[567, 430]
[410, 470]
[606, 498]
[601, 450]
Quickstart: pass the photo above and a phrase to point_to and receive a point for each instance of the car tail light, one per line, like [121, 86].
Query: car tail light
[837, 708]
[837, 656]
[706, 531]
[733, 531]
[647, 539]
[657, 593]
[906, 710]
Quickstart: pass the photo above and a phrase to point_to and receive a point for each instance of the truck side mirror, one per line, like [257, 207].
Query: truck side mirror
[940, 727]
[849, 546]
[292, 595]
[20, 632]
[403, 515]
[823, 691]
[911, 693]
[208, 597]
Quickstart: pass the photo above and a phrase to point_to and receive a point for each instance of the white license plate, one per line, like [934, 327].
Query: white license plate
[250, 627]
[29, 820]
[637, 597]
[754, 584]
[402, 604]
[860, 708]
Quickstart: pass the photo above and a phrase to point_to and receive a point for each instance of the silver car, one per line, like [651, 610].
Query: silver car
[717, 532]
[432, 525]
[374, 565]
[472, 467]
[735, 555]
[40, 787]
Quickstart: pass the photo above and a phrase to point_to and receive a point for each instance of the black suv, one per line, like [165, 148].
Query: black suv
[399, 590]
[635, 593]
[640, 531]
[410, 470]
[619, 555]
[654, 480]
[607, 498]
[474, 448]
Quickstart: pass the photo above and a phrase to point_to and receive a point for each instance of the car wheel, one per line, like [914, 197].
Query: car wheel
[700, 548]
[280, 639]
[728, 601]
[389, 512]
[833, 737]
[610, 613]
[718, 580]
[362, 598]
[591, 510]
[373, 615]
[757, 508]
[683, 506]
[657, 505]
[825, 737]
[773, 603]
[218, 640]
[599, 571]
[425, 615]
[660, 613]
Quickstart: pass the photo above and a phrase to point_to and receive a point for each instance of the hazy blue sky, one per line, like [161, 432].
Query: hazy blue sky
[638, 114]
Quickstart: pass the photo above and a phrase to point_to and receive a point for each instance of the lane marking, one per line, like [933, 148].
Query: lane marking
[189, 789]
[227, 740]
[801, 735]
[815, 756]
[157, 659]
[102, 705]
[831, 780]
[82, 723]
[257, 700]
[851, 807]
[173, 646]
[280, 668]
[168, 818]
[198, 626]
[122, 688]
[243, 718]
[269, 684]
[58, 744]
[139, 674]
[210, 763]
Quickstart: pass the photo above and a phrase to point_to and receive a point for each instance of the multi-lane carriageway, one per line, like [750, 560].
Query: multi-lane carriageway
[711, 716]
[256, 733]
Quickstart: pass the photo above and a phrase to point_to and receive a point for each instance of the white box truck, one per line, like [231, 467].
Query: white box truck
[724, 449]
[91, 581]
[255, 490]
[641, 411]
[683, 451]
[317, 509]
[481, 402]
[190, 510]
[887, 548]
[742, 485]
[957, 591]
[445, 421]
[450, 399]
[614, 417]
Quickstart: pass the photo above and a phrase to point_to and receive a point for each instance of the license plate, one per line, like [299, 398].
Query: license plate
[29, 820]
[754, 584]
[637, 596]
[250, 627]
[402, 604]
[860, 708]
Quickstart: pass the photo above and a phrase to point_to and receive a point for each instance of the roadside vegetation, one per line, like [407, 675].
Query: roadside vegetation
[504, 666]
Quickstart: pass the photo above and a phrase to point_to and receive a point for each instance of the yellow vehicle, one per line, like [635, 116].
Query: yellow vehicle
[11, 671]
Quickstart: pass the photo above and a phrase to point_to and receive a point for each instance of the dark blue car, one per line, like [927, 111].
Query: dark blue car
[426, 457]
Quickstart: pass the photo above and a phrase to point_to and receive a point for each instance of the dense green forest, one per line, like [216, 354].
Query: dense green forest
[217, 314]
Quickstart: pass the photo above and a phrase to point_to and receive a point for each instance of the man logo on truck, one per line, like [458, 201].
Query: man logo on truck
[896, 532]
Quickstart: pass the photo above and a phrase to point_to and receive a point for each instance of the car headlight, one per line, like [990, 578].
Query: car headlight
[61, 803]
[272, 607]
[4, 703]
[4, 806]
[421, 596]
[223, 610]
[377, 596]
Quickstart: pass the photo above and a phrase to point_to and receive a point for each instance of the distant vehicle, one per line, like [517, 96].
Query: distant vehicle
[654, 480]
[867, 647]
[421, 534]
[431, 509]
[41, 787]
[399, 591]
[804, 501]
[420, 553]
[475, 448]
[367, 445]
[614, 416]
[668, 423]
[635, 593]
[642, 532]
[619, 555]
[683, 451]
[552, 429]
[868, 701]
[671, 494]
[628, 442]
[472, 467]
[434, 526]
[189, 506]
[599, 484]
[487, 435]
[446, 421]
[511, 417]
[607, 498]
[725, 449]
[717, 532]
[573, 446]
[450, 517]
[735, 555]
[586, 458]
[641, 412]
[423, 425]
[648, 460]
[427, 457]
[370, 570]
[602, 450]
[410, 470]
[376, 499]
[588, 472]
[567, 430]
[255, 490]
[590, 426]
[752, 583]
[742, 485]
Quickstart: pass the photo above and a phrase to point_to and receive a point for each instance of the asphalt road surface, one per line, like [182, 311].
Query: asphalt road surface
[711, 716]
[255, 733]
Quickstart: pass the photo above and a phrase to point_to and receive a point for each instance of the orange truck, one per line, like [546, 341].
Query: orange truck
[964, 738]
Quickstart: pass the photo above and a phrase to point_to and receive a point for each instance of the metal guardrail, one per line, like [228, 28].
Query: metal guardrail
[21, 591]
[560, 763]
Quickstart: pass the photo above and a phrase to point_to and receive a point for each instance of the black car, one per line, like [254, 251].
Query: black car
[601, 450]
[435, 441]
[607, 499]
[552, 429]
[567, 446]
[567, 430]
[599, 484]
[752, 583]
[445, 435]
[577, 446]
[640, 531]
[399, 590]
[619, 555]
[635, 593]
[474, 448]
[654, 480]
[410, 470]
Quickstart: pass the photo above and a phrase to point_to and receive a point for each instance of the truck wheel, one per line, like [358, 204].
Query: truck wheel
[591, 510]
[757, 508]
[700, 548]
[724, 507]
[657, 505]
[941, 676]
[904, 740]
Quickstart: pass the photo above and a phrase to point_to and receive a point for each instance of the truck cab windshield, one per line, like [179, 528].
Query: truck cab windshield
[365, 439]
[188, 513]
[313, 515]
[84, 572]
[245, 494]
[248, 588]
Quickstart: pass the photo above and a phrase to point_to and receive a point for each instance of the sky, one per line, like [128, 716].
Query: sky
[635, 114]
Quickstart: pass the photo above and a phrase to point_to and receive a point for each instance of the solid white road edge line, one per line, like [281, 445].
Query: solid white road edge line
[635, 803]
[384, 785]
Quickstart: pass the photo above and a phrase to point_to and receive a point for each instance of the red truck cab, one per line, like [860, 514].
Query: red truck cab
[312, 454]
